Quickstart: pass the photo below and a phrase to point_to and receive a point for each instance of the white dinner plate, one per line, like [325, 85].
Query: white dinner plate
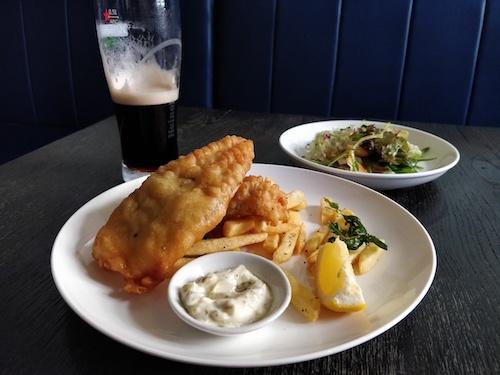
[445, 156]
[392, 289]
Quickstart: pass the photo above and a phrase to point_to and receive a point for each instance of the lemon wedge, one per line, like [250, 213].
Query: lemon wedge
[336, 283]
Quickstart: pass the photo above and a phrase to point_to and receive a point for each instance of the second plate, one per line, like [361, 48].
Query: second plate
[445, 155]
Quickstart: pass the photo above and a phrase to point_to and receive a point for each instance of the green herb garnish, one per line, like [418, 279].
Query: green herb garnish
[333, 205]
[356, 234]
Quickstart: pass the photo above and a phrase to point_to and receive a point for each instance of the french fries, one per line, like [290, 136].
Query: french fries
[215, 245]
[294, 218]
[330, 214]
[260, 226]
[272, 241]
[327, 213]
[296, 200]
[346, 211]
[303, 299]
[286, 246]
[311, 260]
[281, 228]
[280, 240]
[353, 254]
[301, 240]
[316, 240]
[233, 228]
[367, 259]
[363, 259]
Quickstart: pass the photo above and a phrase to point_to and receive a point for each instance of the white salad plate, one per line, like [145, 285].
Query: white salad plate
[392, 289]
[445, 156]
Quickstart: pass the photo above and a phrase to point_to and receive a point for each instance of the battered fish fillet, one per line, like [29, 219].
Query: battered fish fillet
[173, 209]
[261, 197]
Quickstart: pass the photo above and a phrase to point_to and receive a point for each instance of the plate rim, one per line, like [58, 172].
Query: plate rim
[145, 348]
[354, 174]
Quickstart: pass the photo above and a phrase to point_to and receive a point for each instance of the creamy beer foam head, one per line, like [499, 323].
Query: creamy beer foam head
[143, 84]
[131, 80]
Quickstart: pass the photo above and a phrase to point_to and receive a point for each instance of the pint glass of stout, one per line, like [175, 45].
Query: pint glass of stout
[140, 44]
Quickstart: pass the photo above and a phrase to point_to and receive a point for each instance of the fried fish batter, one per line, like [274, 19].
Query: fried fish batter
[173, 209]
[260, 197]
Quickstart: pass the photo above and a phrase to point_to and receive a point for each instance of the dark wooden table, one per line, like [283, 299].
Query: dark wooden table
[456, 328]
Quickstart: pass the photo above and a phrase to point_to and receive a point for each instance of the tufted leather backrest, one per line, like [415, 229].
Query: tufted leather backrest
[421, 60]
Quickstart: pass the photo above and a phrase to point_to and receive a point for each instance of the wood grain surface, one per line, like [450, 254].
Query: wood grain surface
[455, 330]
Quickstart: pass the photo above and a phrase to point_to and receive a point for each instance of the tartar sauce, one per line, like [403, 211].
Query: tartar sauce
[229, 298]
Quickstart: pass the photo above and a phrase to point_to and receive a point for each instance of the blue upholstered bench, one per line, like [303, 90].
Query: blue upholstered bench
[421, 60]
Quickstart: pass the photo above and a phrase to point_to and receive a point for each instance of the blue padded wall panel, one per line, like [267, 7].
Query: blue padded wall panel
[197, 57]
[485, 103]
[440, 60]
[16, 104]
[92, 98]
[371, 56]
[49, 61]
[243, 46]
[305, 56]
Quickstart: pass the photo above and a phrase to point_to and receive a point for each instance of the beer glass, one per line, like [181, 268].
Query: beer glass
[140, 45]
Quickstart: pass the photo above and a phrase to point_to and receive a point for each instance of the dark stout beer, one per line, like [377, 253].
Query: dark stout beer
[148, 135]
[140, 48]
[145, 106]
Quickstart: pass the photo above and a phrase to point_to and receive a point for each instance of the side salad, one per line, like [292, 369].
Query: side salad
[367, 149]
